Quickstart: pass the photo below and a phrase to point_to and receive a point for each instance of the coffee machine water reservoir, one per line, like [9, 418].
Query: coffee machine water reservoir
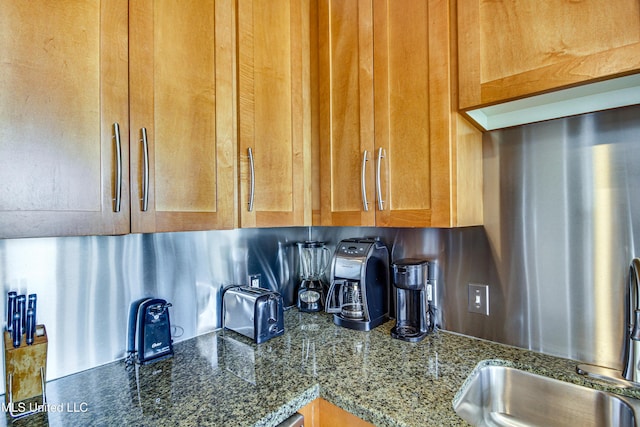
[359, 291]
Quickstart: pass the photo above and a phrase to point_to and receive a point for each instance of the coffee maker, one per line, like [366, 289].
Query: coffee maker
[414, 300]
[358, 295]
[314, 259]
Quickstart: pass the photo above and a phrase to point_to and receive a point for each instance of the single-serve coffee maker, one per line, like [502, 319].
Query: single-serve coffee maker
[358, 295]
[414, 299]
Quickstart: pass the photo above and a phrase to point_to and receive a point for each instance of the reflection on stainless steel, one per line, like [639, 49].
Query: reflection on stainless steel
[503, 396]
[561, 221]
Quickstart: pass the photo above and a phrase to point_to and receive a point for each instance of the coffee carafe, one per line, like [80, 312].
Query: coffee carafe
[358, 295]
[414, 300]
[314, 259]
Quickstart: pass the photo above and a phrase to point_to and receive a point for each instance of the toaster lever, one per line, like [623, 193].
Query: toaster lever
[273, 309]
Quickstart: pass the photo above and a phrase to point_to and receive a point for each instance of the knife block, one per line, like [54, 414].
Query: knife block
[25, 368]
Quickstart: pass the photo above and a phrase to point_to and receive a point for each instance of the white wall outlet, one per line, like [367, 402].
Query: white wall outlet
[254, 280]
[478, 299]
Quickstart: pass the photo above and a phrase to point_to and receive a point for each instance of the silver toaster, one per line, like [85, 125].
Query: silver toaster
[256, 313]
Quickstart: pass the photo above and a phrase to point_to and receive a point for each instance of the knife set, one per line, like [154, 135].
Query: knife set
[149, 335]
[25, 355]
[256, 313]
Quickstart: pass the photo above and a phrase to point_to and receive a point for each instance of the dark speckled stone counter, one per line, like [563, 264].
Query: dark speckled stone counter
[223, 379]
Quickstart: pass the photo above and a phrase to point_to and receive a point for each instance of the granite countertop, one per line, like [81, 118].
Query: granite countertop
[223, 379]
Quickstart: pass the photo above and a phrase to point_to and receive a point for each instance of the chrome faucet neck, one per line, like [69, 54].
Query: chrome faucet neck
[631, 370]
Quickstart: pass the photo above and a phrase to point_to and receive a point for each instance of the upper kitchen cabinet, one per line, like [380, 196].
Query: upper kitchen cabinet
[394, 151]
[274, 113]
[346, 128]
[183, 151]
[517, 48]
[63, 118]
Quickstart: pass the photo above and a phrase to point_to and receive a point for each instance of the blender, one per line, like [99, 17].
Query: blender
[314, 258]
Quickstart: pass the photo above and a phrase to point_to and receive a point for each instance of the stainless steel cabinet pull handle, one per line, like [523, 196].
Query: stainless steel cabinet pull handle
[252, 187]
[118, 199]
[363, 182]
[145, 171]
[380, 157]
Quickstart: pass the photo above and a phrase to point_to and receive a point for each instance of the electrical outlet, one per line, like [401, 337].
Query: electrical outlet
[254, 280]
[478, 299]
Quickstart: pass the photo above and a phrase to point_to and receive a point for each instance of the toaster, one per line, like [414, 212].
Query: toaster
[256, 313]
[149, 335]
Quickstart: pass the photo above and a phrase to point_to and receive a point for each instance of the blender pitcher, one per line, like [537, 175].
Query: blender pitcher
[314, 259]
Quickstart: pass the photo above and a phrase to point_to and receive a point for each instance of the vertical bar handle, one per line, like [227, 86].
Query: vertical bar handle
[118, 199]
[363, 182]
[252, 171]
[145, 170]
[378, 183]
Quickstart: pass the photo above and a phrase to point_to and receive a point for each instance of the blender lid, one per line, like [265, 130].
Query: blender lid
[311, 244]
[410, 262]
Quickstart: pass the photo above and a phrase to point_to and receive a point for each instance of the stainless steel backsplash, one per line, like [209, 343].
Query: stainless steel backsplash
[561, 221]
[562, 215]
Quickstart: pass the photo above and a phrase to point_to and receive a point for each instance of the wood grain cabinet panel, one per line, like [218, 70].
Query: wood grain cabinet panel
[393, 146]
[512, 49]
[322, 413]
[182, 65]
[73, 70]
[346, 112]
[63, 86]
[274, 113]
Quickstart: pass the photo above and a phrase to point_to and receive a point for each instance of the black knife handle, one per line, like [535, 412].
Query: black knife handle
[22, 309]
[31, 325]
[11, 308]
[31, 303]
[15, 331]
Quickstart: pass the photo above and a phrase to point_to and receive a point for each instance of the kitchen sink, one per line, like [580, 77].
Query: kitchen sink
[505, 396]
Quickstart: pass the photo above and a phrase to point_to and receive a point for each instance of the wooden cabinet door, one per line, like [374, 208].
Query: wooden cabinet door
[387, 89]
[347, 157]
[274, 113]
[404, 62]
[511, 49]
[431, 172]
[182, 57]
[322, 413]
[63, 86]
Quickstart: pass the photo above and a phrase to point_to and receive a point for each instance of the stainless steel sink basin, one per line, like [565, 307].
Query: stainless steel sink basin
[504, 396]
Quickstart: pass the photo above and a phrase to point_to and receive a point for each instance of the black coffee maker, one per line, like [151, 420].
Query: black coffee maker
[358, 295]
[414, 300]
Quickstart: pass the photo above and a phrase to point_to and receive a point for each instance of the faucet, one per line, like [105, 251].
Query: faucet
[631, 369]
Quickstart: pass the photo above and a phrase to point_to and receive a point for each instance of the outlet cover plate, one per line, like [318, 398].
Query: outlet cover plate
[254, 280]
[478, 299]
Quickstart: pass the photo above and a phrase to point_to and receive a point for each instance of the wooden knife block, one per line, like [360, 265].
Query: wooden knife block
[25, 367]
